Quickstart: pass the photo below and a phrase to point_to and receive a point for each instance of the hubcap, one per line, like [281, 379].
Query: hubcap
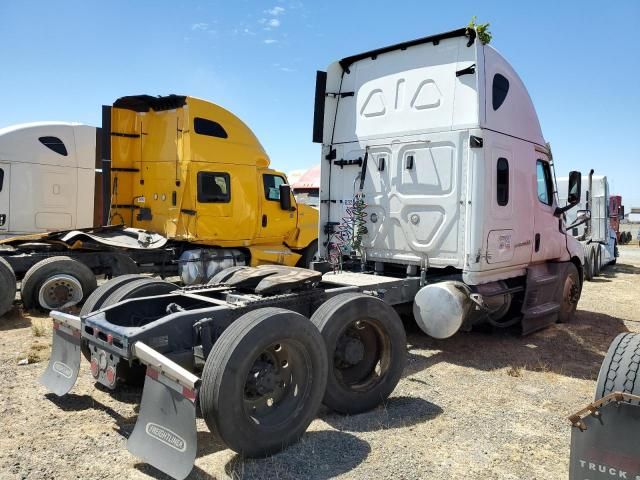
[277, 383]
[362, 355]
[60, 291]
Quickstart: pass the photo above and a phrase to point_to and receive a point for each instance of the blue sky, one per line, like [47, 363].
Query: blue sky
[61, 60]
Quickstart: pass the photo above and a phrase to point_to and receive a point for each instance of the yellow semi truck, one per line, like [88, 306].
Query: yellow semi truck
[193, 185]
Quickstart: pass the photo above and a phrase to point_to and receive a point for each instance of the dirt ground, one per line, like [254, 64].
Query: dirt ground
[477, 406]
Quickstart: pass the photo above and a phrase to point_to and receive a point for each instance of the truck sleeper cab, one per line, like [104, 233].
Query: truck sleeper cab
[47, 172]
[438, 140]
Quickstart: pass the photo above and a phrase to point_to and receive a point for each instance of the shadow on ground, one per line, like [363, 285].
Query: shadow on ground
[573, 349]
[13, 319]
[396, 412]
[196, 474]
[319, 455]
[74, 403]
[611, 271]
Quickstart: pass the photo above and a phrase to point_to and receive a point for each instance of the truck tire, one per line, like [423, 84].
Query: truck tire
[143, 287]
[263, 381]
[597, 265]
[122, 265]
[57, 282]
[100, 294]
[589, 264]
[308, 254]
[7, 286]
[366, 347]
[224, 275]
[620, 370]
[96, 299]
[572, 288]
[616, 254]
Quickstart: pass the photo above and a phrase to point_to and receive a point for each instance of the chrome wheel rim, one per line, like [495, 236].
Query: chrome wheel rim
[60, 291]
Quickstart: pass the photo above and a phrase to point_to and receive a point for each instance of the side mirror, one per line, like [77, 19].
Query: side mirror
[621, 212]
[573, 195]
[583, 215]
[575, 180]
[285, 197]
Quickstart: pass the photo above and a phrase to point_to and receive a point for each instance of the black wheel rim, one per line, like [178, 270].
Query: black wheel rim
[362, 356]
[278, 383]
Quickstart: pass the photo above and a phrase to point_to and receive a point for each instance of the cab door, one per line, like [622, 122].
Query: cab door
[5, 184]
[549, 240]
[275, 223]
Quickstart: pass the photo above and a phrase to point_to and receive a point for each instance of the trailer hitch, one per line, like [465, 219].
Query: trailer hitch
[64, 363]
[165, 434]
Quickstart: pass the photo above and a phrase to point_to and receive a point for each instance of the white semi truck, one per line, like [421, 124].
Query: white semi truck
[436, 197]
[590, 222]
[47, 177]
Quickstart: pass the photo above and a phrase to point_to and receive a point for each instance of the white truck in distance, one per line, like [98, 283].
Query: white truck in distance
[434, 165]
[47, 175]
[589, 223]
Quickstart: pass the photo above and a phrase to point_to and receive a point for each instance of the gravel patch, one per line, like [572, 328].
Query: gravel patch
[481, 405]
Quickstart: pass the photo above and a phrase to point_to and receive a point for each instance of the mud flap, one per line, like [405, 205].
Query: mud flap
[165, 434]
[64, 363]
[604, 444]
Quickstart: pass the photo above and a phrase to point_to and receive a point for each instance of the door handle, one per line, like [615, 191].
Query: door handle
[3, 219]
[264, 220]
[537, 242]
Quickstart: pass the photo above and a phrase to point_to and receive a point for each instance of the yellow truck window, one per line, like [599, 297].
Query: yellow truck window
[272, 186]
[204, 126]
[214, 187]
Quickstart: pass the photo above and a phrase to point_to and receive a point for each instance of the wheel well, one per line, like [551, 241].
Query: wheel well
[576, 261]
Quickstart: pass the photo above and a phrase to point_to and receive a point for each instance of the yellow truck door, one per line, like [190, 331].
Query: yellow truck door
[276, 223]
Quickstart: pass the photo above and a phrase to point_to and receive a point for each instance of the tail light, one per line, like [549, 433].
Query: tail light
[110, 375]
[95, 370]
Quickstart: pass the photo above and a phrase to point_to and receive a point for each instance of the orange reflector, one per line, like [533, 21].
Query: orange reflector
[94, 368]
[189, 393]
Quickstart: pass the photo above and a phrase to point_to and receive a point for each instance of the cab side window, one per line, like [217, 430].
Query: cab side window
[500, 88]
[272, 186]
[55, 144]
[214, 187]
[1, 178]
[502, 181]
[545, 184]
[204, 126]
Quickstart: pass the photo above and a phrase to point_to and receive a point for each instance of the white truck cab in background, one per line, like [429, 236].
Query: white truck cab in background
[47, 177]
[589, 222]
[434, 164]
